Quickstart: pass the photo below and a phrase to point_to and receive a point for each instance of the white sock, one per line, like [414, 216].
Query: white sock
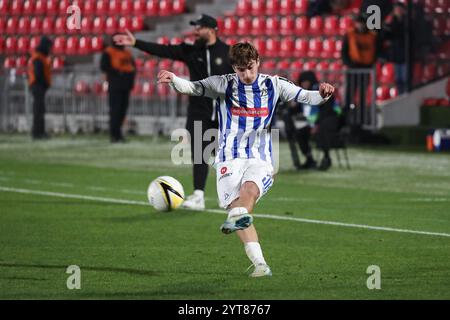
[199, 193]
[237, 211]
[254, 253]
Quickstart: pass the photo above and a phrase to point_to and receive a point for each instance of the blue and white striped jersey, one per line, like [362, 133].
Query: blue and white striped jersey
[246, 111]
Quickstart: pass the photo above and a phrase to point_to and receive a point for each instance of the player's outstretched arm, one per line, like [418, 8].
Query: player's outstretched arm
[180, 85]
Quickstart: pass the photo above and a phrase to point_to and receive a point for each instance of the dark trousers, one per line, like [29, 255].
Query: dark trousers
[38, 129]
[355, 93]
[118, 106]
[327, 134]
[198, 145]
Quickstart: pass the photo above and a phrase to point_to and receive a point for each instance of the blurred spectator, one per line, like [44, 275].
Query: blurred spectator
[120, 68]
[39, 80]
[337, 7]
[360, 49]
[303, 121]
[423, 40]
[394, 35]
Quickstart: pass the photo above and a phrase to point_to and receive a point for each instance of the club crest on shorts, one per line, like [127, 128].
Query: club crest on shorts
[223, 170]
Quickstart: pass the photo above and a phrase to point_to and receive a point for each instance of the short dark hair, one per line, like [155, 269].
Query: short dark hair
[242, 54]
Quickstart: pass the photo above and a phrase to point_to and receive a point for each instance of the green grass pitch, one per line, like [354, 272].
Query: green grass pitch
[59, 206]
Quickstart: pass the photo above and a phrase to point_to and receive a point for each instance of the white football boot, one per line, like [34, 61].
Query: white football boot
[195, 201]
[261, 270]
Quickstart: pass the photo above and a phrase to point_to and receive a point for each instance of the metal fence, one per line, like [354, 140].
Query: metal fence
[78, 102]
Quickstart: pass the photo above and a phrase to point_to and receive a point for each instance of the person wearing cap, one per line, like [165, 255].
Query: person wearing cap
[207, 56]
[39, 80]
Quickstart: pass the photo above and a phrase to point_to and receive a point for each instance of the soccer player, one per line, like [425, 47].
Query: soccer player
[246, 102]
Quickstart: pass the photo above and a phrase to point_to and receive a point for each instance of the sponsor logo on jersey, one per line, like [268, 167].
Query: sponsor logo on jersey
[250, 112]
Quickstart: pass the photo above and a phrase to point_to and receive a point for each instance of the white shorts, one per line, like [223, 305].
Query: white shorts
[233, 173]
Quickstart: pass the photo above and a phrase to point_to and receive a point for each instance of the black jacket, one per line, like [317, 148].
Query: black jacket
[195, 57]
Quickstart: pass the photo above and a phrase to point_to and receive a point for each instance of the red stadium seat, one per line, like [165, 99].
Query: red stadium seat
[272, 7]
[320, 68]
[23, 45]
[137, 23]
[176, 41]
[165, 8]
[178, 6]
[260, 45]
[81, 87]
[301, 47]
[2, 25]
[4, 7]
[2, 44]
[287, 25]
[163, 40]
[344, 24]
[393, 92]
[126, 7]
[387, 74]
[296, 69]
[258, 26]
[114, 7]
[272, 47]
[63, 5]
[21, 64]
[59, 45]
[272, 26]
[152, 8]
[382, 93]
[9, 63]
[85, 46]
[150, 65]
[51, 7]
[329, 47]
[429, 72]
[231, 41]
[244, 26]
[86, 25]
[36, 25]
[331, 26]
[11, 25]
[97, 44]
[315, 48]
[48, 25]
[58, 63]
[229, 26]
[310, 65]
[258, 7]
[286, 7]
[111, 25]
[300, 6]
[102, 7]
[243, 7]
[11, 45]
[442, 6]
[301, 26]
[40, 8]
[60, 26]
[316, 25]
[23, 26]
[125, 23]
[34, 42]
[283, 68]
[72, 46]
[148, 88]
[28, 8]
[89, 7]
[16, 7]
[338, 49]
[268, 66]
[439, 25]
[98, 25]
[139, 7]
[287, 47]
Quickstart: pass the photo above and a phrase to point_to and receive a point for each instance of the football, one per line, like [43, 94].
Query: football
[165, 193]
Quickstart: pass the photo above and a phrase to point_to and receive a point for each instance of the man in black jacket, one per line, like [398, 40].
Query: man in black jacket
[206, 57]
[39, 80]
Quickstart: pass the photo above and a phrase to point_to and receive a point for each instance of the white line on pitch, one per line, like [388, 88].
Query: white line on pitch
[260, 215]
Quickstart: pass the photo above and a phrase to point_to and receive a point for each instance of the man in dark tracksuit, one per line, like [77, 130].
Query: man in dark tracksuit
[119, 66]
[39, 80]
[207, 56]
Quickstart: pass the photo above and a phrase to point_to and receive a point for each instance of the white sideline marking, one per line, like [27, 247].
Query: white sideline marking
[260, 215]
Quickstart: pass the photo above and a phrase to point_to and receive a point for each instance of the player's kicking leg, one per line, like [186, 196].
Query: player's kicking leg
[240, 220]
